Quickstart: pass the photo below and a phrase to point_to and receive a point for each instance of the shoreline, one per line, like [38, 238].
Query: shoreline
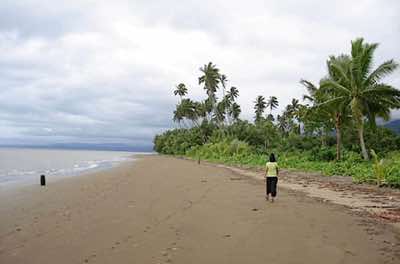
[89, 166]
[166, 210]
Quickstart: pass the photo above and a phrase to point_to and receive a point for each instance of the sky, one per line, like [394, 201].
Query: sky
[104, 71]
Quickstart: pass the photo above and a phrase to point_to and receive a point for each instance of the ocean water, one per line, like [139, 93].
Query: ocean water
[24, 166]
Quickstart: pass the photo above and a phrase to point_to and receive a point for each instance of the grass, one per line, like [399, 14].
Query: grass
[239, 153]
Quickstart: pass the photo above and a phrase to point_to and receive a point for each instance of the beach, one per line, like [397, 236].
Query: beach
[160, 209]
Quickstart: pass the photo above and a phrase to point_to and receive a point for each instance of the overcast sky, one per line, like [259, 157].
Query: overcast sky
[104, 71]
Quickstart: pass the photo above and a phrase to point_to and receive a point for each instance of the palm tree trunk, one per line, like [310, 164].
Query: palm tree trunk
[362, 143]
[338, 136]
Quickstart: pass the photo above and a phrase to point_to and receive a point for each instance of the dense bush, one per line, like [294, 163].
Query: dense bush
[295, 152]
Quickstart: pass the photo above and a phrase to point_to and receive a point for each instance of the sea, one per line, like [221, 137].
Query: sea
[19, 166]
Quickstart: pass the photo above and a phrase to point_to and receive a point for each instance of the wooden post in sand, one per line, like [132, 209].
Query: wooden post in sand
[42, 180]
[198, 161]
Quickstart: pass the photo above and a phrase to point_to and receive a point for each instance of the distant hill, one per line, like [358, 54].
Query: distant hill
[394, 125]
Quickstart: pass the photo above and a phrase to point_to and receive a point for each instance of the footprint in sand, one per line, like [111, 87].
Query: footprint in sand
[167, 253]
[116, 244]
[86, 260]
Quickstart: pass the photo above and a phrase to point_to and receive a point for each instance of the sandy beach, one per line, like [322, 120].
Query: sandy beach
[166, 210]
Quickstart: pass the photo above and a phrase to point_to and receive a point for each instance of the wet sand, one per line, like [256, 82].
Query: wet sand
[167, 210]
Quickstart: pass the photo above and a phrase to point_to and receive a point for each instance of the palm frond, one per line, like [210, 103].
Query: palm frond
[328, 84]
[381, 71]
[333, 101]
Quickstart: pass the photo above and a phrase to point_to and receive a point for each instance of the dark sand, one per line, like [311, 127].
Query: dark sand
[166, 210]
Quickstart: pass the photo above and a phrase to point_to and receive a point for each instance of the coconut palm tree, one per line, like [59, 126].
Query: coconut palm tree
[259, 107]
[181, 90]
[223, 80]
[186, 109]
[326, 109]
[178, 115]
[293, 107]
[189, 110]
[233, 93]
[361, 88]
[235, 111]
[229, 99]
[270, 117]
[219, 114]
[282, 123]
[200, 109]
[272, 103]
[211, 80]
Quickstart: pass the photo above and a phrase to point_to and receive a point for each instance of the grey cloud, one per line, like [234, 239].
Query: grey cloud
[94, 71]
[43, 17]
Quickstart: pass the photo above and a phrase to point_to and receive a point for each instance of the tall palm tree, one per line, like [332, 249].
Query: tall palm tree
[235, 111]
[293, 107]
[211, 80]
[186, 109]
[270, 117]
[361, 88]
[295, 110]
[223, 80]
[282, 123]
[324, 108]
[208, 104]
[200, 109]
[181, 90]
[259, 107]
[178, 115]
[233, 93]
[319, 116]
[230, 98]
[219, 114]
[272, 103]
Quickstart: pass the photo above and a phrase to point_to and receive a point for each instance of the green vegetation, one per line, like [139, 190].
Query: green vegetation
[331, 132]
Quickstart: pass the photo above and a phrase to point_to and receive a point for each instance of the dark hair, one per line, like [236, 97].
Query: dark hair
[272, 157]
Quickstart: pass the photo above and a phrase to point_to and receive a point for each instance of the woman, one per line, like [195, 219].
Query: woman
[271, 178]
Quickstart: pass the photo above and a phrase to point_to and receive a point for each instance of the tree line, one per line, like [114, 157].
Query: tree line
[341, 110]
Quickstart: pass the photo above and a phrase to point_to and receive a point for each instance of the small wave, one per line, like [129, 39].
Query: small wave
[14, 175]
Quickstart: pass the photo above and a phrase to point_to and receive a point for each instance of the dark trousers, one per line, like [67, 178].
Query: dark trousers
[271, 185]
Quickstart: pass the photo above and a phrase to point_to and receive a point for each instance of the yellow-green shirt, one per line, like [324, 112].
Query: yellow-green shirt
[272, 168]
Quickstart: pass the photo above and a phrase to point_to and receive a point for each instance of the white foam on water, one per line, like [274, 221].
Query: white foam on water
[56, 166]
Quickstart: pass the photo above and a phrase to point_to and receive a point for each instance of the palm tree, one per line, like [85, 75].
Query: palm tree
[272, 103]
[229, 99]
[219, 114]
[282, 123]
[223, 80]
[178, 115]
[235, 111]
[293, 107]
[186, 109]
[208, 104]
[181, 90]
[361, 88]
[200, 109]
[259, 107]
[270, 117]
[210, 79]
[326, 108]
[189, 110]
[295, 110]
[233, 93]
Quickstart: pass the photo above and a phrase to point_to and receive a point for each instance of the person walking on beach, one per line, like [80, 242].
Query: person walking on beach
[271, 177]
